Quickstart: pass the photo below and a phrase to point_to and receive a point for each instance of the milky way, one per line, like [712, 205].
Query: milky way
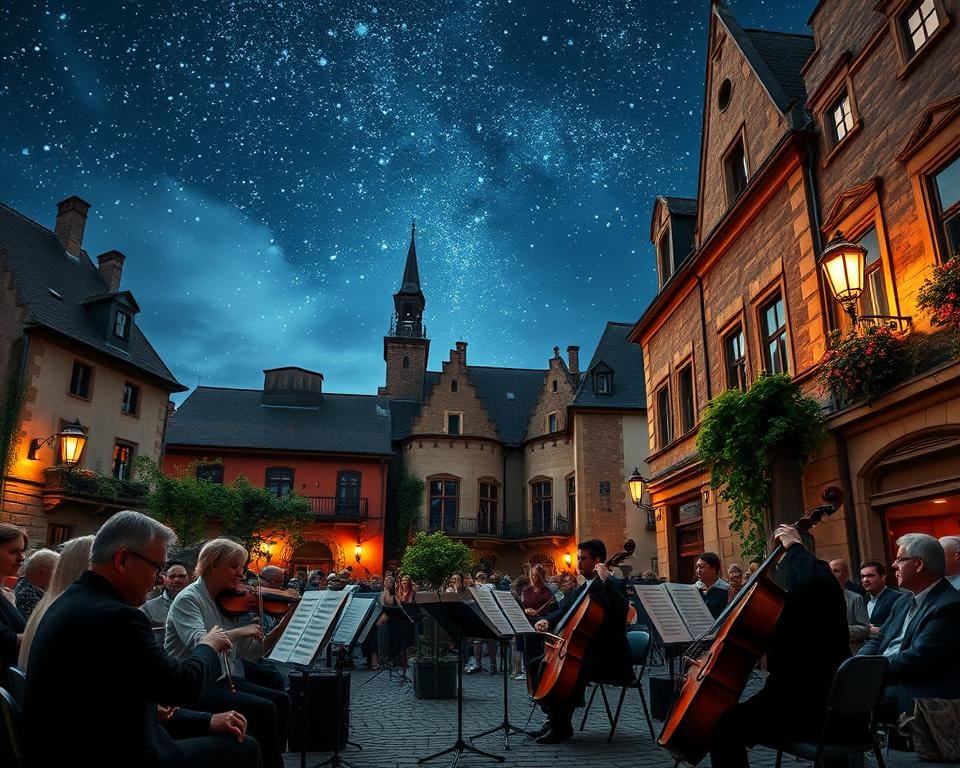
[259, 163]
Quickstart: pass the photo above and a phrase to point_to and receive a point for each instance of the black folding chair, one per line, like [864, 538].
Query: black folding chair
[640, 643]
[11, 751]
[849, 723]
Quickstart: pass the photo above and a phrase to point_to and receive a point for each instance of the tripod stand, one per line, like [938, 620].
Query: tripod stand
[508, 729]
[460, 746]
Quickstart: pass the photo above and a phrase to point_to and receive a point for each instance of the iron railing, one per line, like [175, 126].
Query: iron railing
[334, 508]
[467, 527]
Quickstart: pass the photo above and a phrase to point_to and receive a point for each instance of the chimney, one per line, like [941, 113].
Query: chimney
[71, 219]
[110, 265]
[573, 354]
[462, 351]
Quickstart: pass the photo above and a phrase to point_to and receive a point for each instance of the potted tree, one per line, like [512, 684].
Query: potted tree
[430, 560]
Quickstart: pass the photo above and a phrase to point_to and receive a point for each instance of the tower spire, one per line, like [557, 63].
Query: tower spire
[411, 271]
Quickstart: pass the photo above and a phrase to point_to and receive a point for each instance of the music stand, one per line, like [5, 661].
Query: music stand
[459, 620]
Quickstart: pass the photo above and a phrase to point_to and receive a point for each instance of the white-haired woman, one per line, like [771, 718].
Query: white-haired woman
[194, 611]
[74, 560]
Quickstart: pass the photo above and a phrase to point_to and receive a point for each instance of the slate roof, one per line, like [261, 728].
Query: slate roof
[236, 418]
[626, 361]
[38, 265]
[510, 416]
[683, 206]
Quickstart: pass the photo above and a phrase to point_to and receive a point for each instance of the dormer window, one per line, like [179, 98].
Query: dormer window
[603, 383]
[664, 257]
[121, 325]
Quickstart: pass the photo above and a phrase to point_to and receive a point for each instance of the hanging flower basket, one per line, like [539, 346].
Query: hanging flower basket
[863, 364]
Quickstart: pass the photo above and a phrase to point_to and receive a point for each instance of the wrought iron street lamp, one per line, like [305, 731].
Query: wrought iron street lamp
[72, 441]
[636, 483]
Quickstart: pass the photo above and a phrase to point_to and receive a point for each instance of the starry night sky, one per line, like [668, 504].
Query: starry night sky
[259, 164]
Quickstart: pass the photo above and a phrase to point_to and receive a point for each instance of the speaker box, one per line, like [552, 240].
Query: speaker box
[661, 697]
[321, 733]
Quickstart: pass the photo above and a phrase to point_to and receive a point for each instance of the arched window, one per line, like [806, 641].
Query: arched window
[406, 362]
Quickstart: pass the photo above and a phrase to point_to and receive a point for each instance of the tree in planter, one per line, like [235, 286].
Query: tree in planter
[744, 435]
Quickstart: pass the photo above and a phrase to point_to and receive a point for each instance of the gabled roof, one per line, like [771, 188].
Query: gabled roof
[236, 418]
[54, 285]
[777, 58]
[615, 353]
[681, 206]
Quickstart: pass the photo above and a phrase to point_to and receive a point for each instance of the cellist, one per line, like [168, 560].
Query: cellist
[808, 644]
[608, 655]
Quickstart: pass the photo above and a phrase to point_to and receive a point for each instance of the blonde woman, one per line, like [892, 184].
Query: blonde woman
[74, 560]
[194, 611]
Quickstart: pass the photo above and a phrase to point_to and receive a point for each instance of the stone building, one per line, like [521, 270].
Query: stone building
[71, 351]
[518, 463]
[856, 128]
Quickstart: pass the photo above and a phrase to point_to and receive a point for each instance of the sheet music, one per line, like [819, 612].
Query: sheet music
[490, 609]
[352, 618]
[663, 613]
[692, 608]
[309, 627]
[513, 611]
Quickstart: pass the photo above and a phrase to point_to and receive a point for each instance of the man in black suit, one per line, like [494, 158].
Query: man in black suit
[607, 659]
[920, 636]
[808, 643]
[880, 597]
[97, 675]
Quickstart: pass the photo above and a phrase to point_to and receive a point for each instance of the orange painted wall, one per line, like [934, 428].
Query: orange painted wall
[313, 477]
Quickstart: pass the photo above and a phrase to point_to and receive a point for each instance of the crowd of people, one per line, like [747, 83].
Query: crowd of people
[148, 661]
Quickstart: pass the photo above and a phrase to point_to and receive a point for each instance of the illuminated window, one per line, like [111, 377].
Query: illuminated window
[841, 118]
[773, 323]
[920, 22]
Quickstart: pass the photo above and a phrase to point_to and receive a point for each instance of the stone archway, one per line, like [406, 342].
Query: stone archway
[317, 553]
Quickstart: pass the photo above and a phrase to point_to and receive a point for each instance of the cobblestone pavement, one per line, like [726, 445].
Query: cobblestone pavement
[394, 728]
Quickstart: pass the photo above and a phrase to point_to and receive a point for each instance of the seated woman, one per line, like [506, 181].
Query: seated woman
[194, 611]
[711, 586]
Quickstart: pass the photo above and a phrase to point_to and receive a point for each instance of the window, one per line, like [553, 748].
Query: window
[603, 383]
[554, 385]
[571, 497]
[920, 22]
[121, 325]
[211, 473]
[279, 480]
[348, 493]
[687, 408]
[664, 420]
[735, 170]
[131, 399]
[873, 301]
[774, 328]
[604, 487]
[723, 94]
[122, 461]
[841, 118]
[946, 196]
[454, 425]
[453, 385]
[406, 362]
[80, 380]
[663, 257]
[444, 504]
[542, 496]
[735, 360]
[487, 513]
[551, 422]
[57, 535]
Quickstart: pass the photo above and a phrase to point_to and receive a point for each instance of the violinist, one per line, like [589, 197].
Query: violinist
[195, 610]
[809, 642]
[608, 657]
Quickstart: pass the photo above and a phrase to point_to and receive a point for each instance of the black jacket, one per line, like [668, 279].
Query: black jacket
[95, 677]
[608, 657]
[12, 624]
[888, 598]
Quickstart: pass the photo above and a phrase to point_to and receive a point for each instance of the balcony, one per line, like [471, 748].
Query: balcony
[407, 329]
[333, 508]
[472, 528]
[91, 489]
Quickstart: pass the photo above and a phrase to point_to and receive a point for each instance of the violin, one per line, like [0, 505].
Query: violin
[248, 599]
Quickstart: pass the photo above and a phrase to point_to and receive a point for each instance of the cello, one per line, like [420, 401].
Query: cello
[719, 664]
[563, 653]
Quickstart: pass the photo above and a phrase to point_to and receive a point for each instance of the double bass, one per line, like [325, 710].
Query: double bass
[719, 664]
[563, 653]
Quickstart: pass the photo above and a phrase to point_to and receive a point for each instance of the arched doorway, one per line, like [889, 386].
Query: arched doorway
[312, 556]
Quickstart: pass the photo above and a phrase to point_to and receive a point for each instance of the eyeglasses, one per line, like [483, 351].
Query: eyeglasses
[158, 566]
[898, 560]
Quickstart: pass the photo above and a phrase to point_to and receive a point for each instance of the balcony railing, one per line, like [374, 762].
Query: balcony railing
[334, 508]
[408, 329]
[471, 527]
[87, 484]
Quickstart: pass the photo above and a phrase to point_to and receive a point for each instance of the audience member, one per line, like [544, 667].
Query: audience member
[174, 579]
[95, 659]
[712, 588]
[37, 570]
[13, 543]
[734, 580]
[858, 622]
[74, 561]
[920, 637]
[880, 597]
[951, 550]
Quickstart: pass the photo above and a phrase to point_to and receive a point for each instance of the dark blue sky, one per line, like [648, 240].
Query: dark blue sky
[259, 164]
